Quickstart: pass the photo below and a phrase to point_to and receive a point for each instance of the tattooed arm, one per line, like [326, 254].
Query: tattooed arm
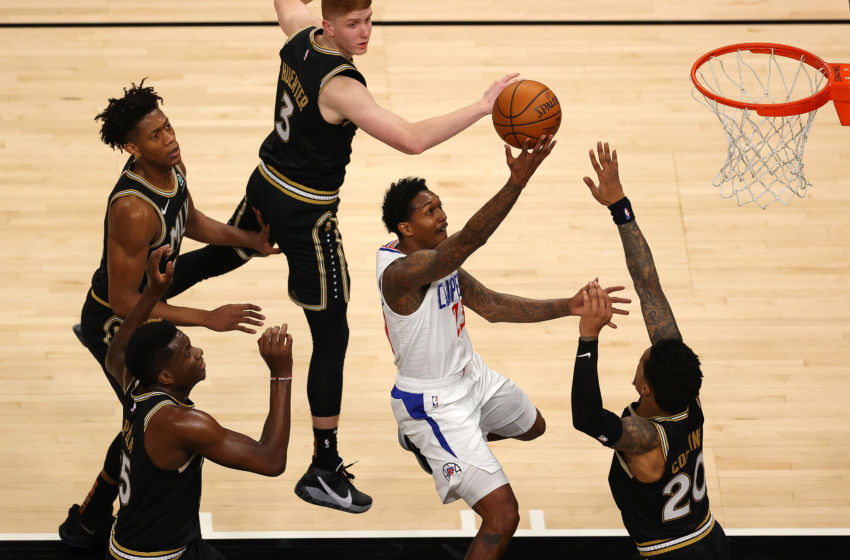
[403, 279]
[657, 315]
[497, 307]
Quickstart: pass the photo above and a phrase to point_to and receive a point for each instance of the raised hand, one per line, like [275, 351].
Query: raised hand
[599, 310]
[610, 190]
[158, 281]
[529, 159]
[234, 317]
[489, 97]
[580, 304]
[261, 242]
[276, 349]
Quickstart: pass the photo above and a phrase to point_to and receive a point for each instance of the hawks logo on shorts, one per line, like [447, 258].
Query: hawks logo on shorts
[449, 469]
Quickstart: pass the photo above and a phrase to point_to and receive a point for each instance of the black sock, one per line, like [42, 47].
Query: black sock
[326, 454]
[98, 503]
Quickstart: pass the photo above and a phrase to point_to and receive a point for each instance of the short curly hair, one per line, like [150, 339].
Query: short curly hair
[673, 373]
[397, 199]
[148, 350]
[122, 115]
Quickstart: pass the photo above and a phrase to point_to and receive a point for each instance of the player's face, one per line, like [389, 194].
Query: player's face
[351, 31]
[641, 386]
[186, 365]
[155, 141]
[428, 221]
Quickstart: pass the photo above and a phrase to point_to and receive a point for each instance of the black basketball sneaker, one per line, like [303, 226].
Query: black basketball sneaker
[407, 445]
[332, 489]
[76, 532]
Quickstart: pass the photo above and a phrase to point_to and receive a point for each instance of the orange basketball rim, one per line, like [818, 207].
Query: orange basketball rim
[836, 85]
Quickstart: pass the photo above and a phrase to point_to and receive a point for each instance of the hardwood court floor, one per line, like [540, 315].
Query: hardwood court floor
[761, 296]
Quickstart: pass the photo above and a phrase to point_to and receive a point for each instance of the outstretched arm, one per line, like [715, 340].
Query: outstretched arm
[497, 307]
[293, 16]
[201, 227]
[345, 98]
[657, 314]
[637, 437]
[176, 432]
[158, 282]
[132, 224]
[409, 274]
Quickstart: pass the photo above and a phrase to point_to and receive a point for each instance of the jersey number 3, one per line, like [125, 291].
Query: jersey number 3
[286, 110]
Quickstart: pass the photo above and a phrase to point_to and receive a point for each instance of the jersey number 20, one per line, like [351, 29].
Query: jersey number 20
[679, 505]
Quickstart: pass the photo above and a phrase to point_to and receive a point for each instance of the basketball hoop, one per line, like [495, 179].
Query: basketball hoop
[766, 105]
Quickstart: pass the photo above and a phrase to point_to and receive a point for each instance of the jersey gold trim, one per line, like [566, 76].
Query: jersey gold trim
[154, 411]
[123, 553]
[315, 44]
[673, 418]
[293, 191]
[334, 72]
[662, 437]
[133, 192]
[654, 548]
[320, 259]
[166, 194]
[100, 301]
[298, 185]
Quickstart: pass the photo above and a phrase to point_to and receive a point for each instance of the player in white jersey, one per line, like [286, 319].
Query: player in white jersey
[446, 401]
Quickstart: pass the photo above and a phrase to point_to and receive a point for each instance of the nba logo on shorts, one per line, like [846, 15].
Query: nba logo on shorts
[434, 402]
[449, 469]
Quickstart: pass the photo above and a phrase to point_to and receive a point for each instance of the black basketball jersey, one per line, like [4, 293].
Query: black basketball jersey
[672, 512]
[171, 207]
[303, 147]
[159, 508]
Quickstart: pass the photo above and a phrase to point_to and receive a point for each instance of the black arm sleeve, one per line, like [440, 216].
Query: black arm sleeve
[588, 415]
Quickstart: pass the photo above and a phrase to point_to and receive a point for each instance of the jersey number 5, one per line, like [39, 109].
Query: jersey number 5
[124, 483]
[679, 505]
[286, 110]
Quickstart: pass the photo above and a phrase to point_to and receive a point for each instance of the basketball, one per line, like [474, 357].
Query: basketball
[526, 110]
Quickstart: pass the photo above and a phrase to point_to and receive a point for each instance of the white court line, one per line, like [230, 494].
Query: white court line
[467, 524]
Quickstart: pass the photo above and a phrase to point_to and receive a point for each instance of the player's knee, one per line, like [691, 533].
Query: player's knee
[536, 430]
[539, 427]
[503, 520]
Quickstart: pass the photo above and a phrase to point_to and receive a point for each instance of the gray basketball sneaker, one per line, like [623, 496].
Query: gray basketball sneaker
[332, 489]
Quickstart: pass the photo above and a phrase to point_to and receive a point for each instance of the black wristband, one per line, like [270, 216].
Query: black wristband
[622, 211]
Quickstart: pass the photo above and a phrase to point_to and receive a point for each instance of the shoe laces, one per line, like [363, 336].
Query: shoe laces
[343, 469]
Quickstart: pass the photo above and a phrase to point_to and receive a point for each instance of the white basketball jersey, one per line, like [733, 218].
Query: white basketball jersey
[432, 342]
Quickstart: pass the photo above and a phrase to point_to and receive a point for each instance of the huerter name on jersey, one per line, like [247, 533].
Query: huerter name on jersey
[288, 76]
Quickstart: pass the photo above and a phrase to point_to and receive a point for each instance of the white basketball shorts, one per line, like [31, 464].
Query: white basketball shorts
[448, 420]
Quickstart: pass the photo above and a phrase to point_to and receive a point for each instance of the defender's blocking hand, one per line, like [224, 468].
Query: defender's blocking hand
[610, 190]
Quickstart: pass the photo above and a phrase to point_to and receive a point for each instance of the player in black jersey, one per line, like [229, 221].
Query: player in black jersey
[321, 100]
[149, 207]
[165, 439]
[657, 475]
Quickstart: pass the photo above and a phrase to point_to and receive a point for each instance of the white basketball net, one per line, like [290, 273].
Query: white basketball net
[764, 159]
